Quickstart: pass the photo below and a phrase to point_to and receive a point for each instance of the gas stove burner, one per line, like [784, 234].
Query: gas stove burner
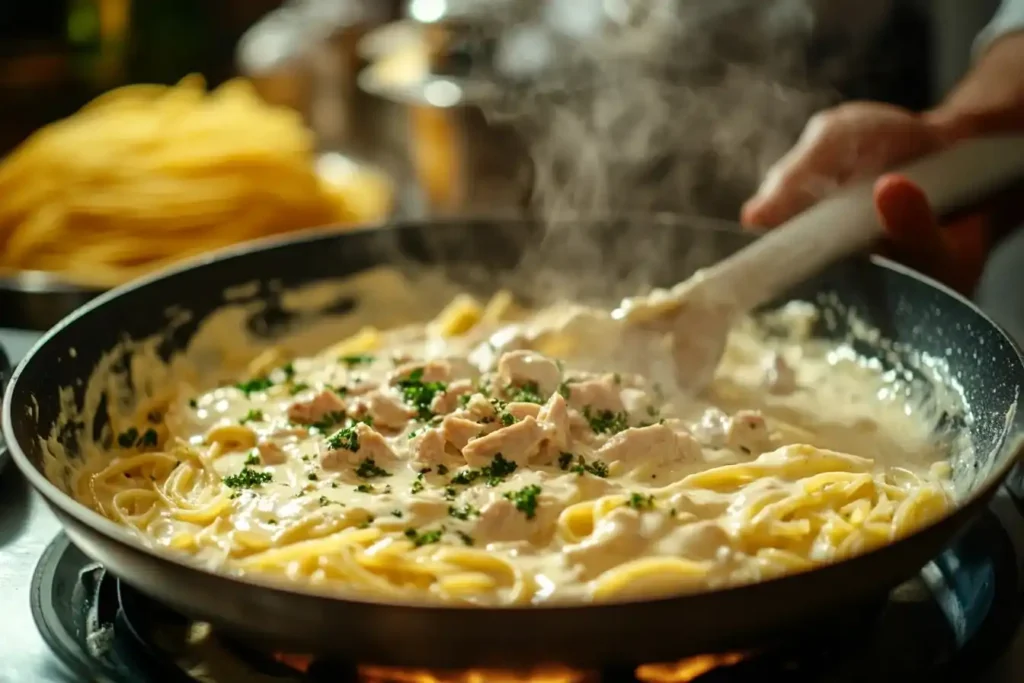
[945, 624]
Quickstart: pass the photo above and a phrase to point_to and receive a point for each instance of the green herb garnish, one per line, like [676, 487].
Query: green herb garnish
[508, 419]
[525, 500]
[564, 390]
[254, 415]
[298, 388]
[344, 438]
[365, 488]
[466, 538]
[498, 469]
[597, 468]
[329, 420]
[368, 469]
[638, 501]
[463, 513]
[564, 460]
[426, 538]
[442, 470]
[465, 477]
[192, 403]
[606, 421]
[312, 476]
[357, 359]
[416, 487]
[289, 371]
[420, 394]
[252, 459]
[396, 513]
[248, 479]
[254, 385]
[525, 393]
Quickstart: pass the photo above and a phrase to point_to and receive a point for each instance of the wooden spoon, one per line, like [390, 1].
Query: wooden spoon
[699, 312]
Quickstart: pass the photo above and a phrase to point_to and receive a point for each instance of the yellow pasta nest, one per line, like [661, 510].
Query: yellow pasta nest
[148, 174]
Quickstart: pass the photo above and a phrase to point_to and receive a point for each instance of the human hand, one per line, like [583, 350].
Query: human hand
[953, 253]
[839, 146]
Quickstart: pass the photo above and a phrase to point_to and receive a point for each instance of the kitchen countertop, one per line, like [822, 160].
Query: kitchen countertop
[27, 527]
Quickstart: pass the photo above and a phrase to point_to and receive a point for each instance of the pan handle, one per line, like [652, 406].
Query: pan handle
[1008, 507]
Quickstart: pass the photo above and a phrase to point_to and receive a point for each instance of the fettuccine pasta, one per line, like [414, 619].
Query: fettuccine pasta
[456, 461]
[146, 175]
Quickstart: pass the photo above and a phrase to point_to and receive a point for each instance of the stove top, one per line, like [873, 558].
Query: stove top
[64, 618]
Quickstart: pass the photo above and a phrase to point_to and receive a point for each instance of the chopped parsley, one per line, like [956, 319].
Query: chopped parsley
[508, 419]
[357, 359]
[606, 421]
[396, 513]
[365, 488]
[638, 501]
[420, 394]
[254, 415]
[525, 500]
[564, 390]
[450, 493]
[463, 513]
[192, 403]
[324, 501]
[329, 420]
[442, 470]
[312, 476]
[248, 479]
[254, 385]
[298, 388]
[425, 538]
[564, 460]
[525, 393]
[289, 371]
[466, 538]
[253, 458]
[464, 400]
[495, 473]
[416, 487]
[596, 468]
[344, 438]
[368, 468]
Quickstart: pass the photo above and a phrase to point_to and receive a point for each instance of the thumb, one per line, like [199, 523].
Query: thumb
[911, 226]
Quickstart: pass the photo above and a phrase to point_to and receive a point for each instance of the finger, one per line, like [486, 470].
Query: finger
[911, 226]
[814, 167]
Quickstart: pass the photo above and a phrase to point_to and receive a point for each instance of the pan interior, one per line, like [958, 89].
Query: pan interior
[954, 356]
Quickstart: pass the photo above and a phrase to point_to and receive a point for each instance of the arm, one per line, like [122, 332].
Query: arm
[991, 97]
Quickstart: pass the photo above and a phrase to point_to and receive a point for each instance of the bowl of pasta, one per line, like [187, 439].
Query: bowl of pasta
[369, 444]
[146, 175]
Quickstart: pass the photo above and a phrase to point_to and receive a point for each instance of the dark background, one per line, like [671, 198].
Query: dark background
[57, 54]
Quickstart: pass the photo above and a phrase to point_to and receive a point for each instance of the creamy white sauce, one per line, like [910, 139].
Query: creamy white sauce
[565, 467]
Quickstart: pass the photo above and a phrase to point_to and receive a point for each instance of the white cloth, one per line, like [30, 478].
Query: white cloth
[1008, 19]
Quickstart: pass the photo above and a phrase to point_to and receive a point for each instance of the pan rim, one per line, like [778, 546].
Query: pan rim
[118, 534]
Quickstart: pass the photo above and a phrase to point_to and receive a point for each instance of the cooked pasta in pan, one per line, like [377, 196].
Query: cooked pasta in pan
[470, 460]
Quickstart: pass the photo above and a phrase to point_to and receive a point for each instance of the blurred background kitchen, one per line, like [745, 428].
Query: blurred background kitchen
[408, 101]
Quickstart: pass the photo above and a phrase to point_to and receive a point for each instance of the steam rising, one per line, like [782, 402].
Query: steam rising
[672, 106]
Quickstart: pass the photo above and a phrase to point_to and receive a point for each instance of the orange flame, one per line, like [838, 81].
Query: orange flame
[679, 672]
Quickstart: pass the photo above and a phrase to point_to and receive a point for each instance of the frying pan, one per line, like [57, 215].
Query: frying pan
[913, 315]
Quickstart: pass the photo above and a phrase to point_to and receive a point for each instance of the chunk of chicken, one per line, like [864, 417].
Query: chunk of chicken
[448, 400]
[458, 431]
[315, 409]
[651, 445]
[387, 410]
[368, 444]
[437, 370]
[271, 453]
[779, 376]
[428, 447]
[518, 443]
[747, 432]
[710, 430]
[519, 368]
[596, 394]
[500, 521]
[522, 411]
[554, 416]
